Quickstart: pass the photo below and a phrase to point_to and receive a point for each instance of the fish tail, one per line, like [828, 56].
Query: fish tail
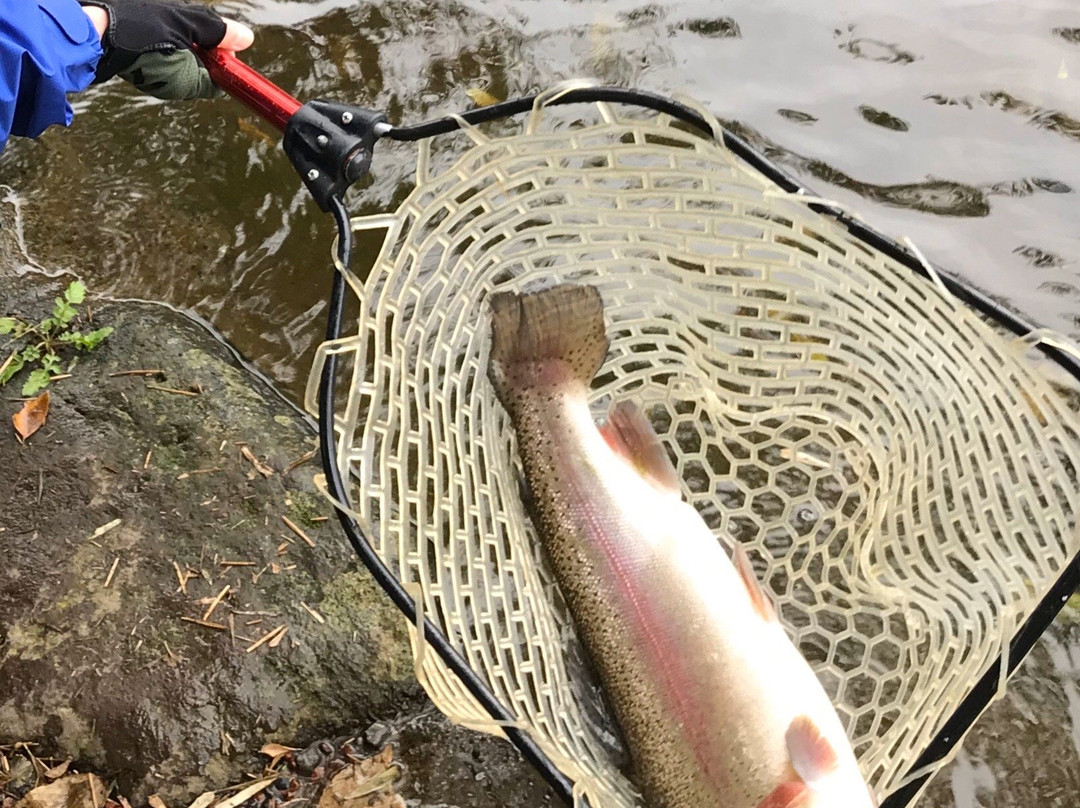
[541, 337]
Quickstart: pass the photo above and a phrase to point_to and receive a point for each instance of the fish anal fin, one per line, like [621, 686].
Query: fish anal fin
[629, 433]
[762, 605]
[789, 794]
[812, 756]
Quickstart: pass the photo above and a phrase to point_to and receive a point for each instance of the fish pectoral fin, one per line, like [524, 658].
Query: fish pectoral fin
[762, 604]
[629, 433]
[789, 794]
[812, 756]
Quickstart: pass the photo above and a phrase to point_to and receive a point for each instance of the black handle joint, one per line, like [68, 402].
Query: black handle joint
[330, 145]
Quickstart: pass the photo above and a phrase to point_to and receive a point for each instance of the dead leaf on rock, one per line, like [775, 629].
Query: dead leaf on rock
[156, 801]
[203, 800]
[32, 416]
[58, 770]
[367, 784]
[70, 791]
[276, 752]
[245, 794]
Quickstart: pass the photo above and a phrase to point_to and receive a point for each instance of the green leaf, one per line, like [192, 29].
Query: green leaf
[51, 362]
[64, 312]
[94, 338]
[75, 293]
[71, 336]
[8, 324]
[14, 367]
[38, 380]
[31, 353]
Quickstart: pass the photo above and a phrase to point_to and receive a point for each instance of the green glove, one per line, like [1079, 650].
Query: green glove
[170, 76]
[148, 42]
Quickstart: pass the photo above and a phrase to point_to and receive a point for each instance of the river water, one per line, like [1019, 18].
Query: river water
[954, 123]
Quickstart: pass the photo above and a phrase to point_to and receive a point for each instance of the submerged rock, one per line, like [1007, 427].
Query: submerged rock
[146, 553]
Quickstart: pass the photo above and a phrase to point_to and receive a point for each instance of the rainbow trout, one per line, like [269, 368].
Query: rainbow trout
[717, 707]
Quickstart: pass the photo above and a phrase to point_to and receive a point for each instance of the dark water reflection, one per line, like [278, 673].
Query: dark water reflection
[956, 124]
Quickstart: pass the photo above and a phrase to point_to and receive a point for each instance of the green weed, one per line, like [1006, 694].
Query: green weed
[38, 347]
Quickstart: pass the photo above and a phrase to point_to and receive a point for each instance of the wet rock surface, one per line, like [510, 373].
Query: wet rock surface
[141, 499]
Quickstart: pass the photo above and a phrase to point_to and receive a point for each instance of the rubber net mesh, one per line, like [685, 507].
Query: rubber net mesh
[903, 477]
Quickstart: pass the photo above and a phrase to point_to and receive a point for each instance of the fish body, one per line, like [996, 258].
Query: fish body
[716, 705]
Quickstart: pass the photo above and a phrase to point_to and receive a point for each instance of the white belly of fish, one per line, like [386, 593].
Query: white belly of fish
[729, 680]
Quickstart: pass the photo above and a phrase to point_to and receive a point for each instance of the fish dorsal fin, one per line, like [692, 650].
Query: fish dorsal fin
[762, 605]
[630, 434]
[812, 756]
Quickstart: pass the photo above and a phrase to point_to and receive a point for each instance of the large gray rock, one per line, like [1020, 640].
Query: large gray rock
[111, 675]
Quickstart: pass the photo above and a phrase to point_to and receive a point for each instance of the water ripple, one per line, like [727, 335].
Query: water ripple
[804, 118]
[1038, 257]
[874, 50]
[883, 119]
[1051, 119]
[1026, 186]
[719, 28]
[1068, 34]
[933, 195]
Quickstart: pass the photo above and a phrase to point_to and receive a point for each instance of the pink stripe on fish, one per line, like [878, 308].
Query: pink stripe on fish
[660, 647]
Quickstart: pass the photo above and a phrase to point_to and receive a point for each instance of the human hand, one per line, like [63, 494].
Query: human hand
[148, 43]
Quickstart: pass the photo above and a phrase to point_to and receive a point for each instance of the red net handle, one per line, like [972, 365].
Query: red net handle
[249, 87]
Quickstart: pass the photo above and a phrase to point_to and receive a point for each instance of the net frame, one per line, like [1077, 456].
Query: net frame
[444, 687]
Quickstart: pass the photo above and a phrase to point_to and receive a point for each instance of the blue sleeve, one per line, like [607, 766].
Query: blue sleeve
[48, 48]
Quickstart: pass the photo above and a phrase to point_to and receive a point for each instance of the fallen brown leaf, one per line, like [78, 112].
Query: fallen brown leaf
[245, 794]
[156, 801]
[277, 750]
[69, 791]
[203, 800]
[57, 771]
[367, 784]
[32, 416]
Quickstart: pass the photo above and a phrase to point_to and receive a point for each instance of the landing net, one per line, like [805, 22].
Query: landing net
[903, 476]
